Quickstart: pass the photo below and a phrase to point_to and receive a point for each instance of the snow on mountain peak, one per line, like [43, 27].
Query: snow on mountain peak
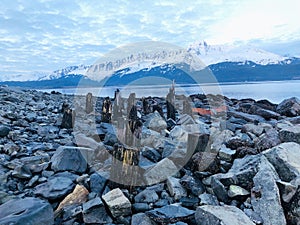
[71, 70]
[213, 54]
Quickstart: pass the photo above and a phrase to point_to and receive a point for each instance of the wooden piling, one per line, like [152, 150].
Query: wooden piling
[68, 119]
[106, 110]
[89, 103]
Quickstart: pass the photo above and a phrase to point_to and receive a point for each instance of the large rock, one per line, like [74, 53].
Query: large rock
[246, 116]
[141, 219]
[98, 182]
[4, 130]
[156, 122]
[268, 140]
[221, 215]
[290, 134]
[55, 188]
[161, 171]
[175, 188]
[68, 159]
[265, 197]
[94, 212]
[285, 158]
[77, 197]
[26, 211]
[84, 141]
[146, 196]
[171, 214]
[289, 107]
[117, 203]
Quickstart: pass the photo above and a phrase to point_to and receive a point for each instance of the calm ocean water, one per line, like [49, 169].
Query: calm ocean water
[274, 91]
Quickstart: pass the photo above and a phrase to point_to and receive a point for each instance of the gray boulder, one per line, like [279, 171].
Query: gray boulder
[268, 140]
[265, 197]
[175, 188]
[289, 107]
[141, 219]
[4, 130]
[68, 159]
[146, 196]
[117, 203]
[290, 134]
[285, 158]
[160, 171]
[29, 210]
[94, 212]
[155, 122]
[221, 215]
[171, 214]
[55, 188]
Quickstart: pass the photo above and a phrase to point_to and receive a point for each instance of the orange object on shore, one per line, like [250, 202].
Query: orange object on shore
[203, 112]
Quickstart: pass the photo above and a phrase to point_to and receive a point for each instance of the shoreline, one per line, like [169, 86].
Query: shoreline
[201, 163]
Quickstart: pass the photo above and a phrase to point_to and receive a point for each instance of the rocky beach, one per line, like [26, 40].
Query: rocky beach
[205, 160]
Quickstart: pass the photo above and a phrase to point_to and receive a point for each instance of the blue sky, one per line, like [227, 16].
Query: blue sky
[44, 35]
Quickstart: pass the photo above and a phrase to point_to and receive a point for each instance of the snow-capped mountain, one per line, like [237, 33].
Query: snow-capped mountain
[227, 62]
[213, 54]
[71, 70]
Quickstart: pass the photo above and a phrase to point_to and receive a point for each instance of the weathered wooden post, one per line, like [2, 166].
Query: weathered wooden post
[146, 106]
[89, 103]
[126, 155]
[158, 108]
[170, 103]
[68, 119]
[106, 110]
[64, 107]
[130, 102]
[187, 108]
[117, 106]
[125, 165]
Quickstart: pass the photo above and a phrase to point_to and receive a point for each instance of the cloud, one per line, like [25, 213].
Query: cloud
[45, 35]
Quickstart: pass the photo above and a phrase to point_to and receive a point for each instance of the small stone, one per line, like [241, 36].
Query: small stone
[226, 154]
[219, 190]
[192, 184]
[146, 196]
[117, 203]
[171, 214]
[4, 131]
[22, 172]
[235, 191]
[141, 219]
[98, 182]
[252, 128]
[256, 218]
[33, 180]
[140, 207]
[94, 212]
[175, 188]
[189, 202]
[208, 199]
[151, 154]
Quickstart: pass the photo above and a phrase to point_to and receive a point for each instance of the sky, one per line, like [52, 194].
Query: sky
[40, 36]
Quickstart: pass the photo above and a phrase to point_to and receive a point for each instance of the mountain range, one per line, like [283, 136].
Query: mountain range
[228, 63]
